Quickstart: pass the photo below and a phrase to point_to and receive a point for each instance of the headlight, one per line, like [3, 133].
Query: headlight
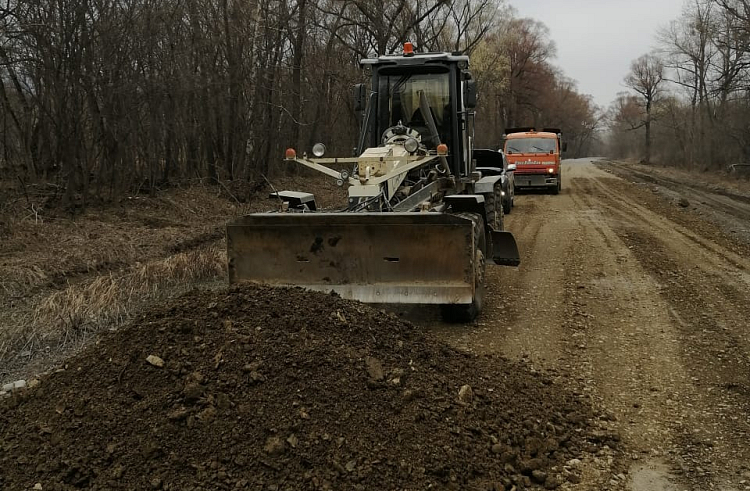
[551, 170]
[319, 150]
[411, 145]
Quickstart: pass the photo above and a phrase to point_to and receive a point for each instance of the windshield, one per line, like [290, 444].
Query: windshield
[399, 102]
[530, 145]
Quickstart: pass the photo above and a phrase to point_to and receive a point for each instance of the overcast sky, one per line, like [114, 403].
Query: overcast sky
[597, 39]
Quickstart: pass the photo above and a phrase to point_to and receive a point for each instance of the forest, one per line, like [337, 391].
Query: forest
[689, 100]
[106, 97]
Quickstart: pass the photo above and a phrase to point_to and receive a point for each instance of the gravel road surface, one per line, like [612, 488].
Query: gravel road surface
[634, 291]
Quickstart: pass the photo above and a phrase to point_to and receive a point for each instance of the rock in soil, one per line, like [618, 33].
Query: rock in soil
[465, 394]
[155, 361]
[311, 418]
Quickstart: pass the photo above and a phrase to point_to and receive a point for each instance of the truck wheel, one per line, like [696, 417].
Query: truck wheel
[462, 313]
[558, 188]
[507, 204]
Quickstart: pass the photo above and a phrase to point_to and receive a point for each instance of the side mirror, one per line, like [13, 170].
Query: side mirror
[565, 146]
[360, 97]
[470, 94]
[511, 167]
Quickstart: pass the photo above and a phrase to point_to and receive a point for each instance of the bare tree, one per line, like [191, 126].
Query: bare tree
[113, 96]
[689, 53]
[520, 87]
[471, 20]
[529, 50]
[646, 77]
[706, 59]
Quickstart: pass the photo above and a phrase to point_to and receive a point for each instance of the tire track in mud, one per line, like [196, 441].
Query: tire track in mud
[698, 281]
[708, 246]
[725, 271]
[648, 326]
[729, 206]
[537, 287]
[629, 324]
[530, 297]
[691, 257]
[712, 433]
[537, 313]
[728, 212]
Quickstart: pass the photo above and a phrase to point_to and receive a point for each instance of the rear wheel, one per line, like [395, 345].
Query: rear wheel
[495, 209]
[507, 202]
[461, 313]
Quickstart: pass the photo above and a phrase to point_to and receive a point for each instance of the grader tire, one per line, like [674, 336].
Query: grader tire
[495, 209]
[463, 313]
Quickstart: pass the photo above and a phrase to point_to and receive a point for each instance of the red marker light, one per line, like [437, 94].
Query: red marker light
[442, 149]
[291, 154]
[408, 49]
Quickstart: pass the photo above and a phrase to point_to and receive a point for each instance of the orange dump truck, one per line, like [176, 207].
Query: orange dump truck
[537, 157]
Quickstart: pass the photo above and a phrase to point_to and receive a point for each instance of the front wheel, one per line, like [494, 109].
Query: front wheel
[557, 187]
[462, 313]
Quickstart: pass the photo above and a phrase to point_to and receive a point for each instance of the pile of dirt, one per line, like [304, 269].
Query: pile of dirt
[284, 389]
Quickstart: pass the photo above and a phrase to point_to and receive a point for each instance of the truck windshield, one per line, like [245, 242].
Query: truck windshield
[399, 102]
[530, 145]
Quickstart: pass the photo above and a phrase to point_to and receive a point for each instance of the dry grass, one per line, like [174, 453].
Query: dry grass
[64, 277]
[713, 180]
[39, 248]
[107, 301]
[19, 278]
[36, 252]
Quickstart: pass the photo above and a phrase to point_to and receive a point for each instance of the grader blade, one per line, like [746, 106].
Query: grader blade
[505, 249]
[422, 258]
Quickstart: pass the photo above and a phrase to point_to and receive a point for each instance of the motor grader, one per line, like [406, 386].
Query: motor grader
[420, 222]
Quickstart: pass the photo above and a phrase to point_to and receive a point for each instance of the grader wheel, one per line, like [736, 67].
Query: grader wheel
[462, 313]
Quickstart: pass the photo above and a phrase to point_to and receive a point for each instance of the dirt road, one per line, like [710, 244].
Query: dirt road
[642, 303]
[634, 291]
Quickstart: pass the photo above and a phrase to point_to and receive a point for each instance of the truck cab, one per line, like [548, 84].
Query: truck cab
[537, 156]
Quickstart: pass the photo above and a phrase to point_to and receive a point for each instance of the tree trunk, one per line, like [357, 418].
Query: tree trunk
[299, 54]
